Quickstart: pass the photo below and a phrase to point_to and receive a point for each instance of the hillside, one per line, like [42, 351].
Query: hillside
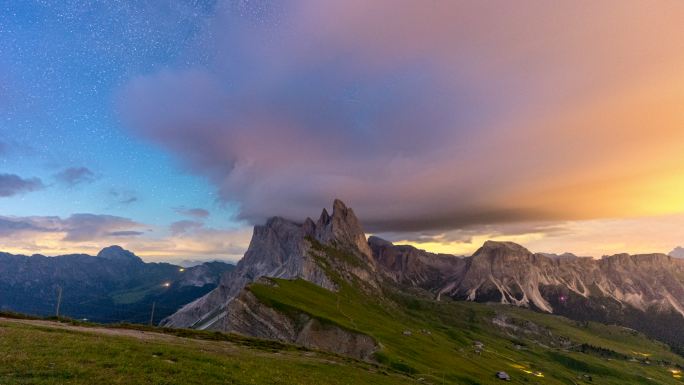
[114, 286]
[423, 342]
[467, 343]
[39, 352]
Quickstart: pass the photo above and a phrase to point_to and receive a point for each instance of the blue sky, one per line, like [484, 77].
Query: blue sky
[61, 66]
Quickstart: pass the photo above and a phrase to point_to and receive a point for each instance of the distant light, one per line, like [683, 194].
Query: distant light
[166, 284]
[181, 269]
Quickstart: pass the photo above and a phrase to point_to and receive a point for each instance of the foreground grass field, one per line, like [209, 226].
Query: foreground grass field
[38, 352]
[423, 342]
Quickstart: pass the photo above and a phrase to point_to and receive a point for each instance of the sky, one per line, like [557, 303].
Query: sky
[172, 127]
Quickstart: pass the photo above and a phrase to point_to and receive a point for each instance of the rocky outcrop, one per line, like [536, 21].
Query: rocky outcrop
[343, 230]
[207, 273]
[246, 315]
[407, 265]
[285, 249]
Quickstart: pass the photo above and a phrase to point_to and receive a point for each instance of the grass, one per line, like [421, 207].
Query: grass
[440, 347]
[43, 355]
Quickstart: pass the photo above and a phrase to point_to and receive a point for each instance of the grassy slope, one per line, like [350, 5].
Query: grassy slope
[440, 347]
[42, 355]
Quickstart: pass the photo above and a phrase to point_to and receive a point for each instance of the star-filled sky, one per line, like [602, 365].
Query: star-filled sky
[172, 127]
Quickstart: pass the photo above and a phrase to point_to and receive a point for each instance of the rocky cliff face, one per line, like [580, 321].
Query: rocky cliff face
[283, 249]
[407, 265]
[246, 315]
[643, 292]
[508, 273]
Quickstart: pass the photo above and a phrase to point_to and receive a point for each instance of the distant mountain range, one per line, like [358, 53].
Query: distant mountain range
[114, 286]
[644, 292]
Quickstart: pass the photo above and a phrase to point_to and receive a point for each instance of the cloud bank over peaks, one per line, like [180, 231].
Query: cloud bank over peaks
[428, 116]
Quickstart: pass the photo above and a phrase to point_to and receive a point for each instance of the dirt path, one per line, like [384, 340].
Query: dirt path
[208, 346]
[139, 334]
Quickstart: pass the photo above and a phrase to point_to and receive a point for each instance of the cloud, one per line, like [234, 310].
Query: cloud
[75, 175]
[595, 237]
[200, 242]
[10, 147]
[11, 185]
[10, 226]
[182, 227]
[83, 227]
[75, 228]
[88, 233]
[126, 234]
[123, 197]
[429, 116]
[198, 213]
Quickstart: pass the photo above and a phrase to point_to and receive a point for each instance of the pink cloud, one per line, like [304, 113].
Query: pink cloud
[427, 115]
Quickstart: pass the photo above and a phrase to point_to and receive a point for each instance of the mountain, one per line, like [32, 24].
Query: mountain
[508, 273]
[409, 266]
[677, 252]
[289, 250]
[114, 286]
[643, 292]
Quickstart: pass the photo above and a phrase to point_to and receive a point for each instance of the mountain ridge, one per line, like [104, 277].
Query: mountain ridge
[333, 252]
[113, 286]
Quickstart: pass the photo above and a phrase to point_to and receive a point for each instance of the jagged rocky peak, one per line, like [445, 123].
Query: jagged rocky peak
[342, 228]
[118, 253]
[280, 248]
[279, 238]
